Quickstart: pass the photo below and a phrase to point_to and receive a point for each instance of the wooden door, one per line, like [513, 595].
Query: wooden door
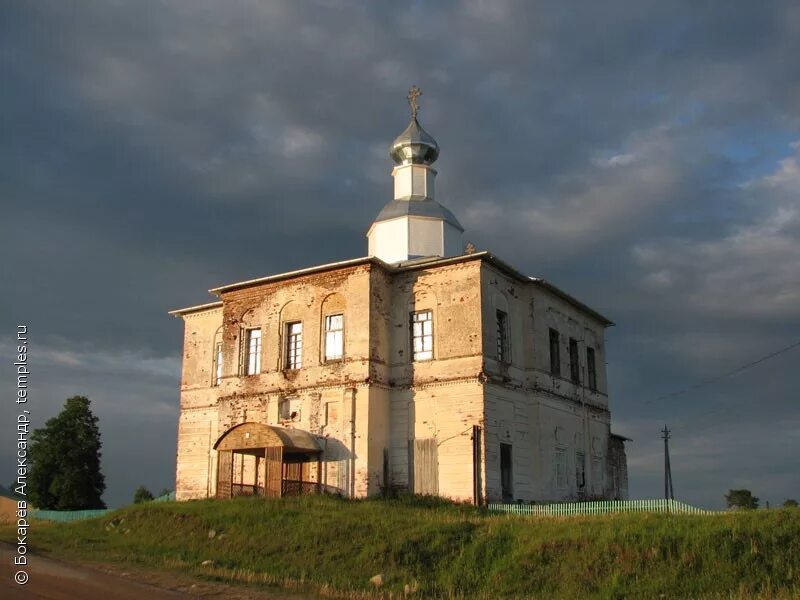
[425, 462]
[224, 473]
[273, 476]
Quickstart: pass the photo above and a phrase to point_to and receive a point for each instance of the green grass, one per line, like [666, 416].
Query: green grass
[334, 546]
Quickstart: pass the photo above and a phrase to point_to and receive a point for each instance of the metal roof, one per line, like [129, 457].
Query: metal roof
[251, 435]
[417, 208]
[200, 307]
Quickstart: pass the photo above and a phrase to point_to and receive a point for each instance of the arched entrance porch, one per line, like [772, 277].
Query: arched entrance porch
[254, 459]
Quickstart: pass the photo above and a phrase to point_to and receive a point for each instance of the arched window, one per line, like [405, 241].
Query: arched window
[333, 328]
[216, 359]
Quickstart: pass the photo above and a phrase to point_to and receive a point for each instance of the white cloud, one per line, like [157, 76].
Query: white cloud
[299, 142]
[617, 160]
[591, 203]
[751, 269]
[121, 362]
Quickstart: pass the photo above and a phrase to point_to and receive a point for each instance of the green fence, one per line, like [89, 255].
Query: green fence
[63, 516]
[165, 498]
[600, 507]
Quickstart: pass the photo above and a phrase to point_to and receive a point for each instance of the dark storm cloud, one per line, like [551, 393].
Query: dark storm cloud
[637, 153]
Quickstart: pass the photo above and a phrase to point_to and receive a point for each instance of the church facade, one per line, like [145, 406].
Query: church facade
[419, 368]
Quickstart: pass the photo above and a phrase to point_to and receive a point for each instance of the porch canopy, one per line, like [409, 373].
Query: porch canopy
[274, 461]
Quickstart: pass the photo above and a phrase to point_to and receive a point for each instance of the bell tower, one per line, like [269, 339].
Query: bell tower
[414, 225]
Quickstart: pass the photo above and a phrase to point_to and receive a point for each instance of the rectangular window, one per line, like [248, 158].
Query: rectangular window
[561, 468]
[289, 409]
[294, 345]
[555, 355]
[253, 352]
[422, 335]
[334, 337]
[591, 367]
[574, 365]
[580, 470]
[217, 363]
[503, 353]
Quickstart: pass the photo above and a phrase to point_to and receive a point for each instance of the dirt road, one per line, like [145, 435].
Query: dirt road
[55, 580]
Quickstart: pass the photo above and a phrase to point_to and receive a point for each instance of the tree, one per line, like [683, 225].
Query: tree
[164, 492]
[741, 499]
[790, 503]
[142, 494]
[65, 460]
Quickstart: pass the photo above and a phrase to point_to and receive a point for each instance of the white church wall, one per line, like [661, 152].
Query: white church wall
[425, 237]
[510, 418]
[414, 180]
[547, 435]
[562, 434]
[551, 311]
[444, 413]
[197, 430]
[198, 420]
[388, 240]
[378, 439]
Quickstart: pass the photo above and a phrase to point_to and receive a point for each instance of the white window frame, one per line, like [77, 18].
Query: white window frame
[217, 373]
[252, 351]
[293, 350]
[422, 335]
[334, 338]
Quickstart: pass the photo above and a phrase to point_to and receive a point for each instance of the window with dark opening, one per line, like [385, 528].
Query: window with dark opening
[591, 367]
[555, 355]
[580, 469]
[503, 351]
[506, 473]
[574, 364]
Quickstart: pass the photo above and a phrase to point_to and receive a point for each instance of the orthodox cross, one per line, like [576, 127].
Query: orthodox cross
[413, 94]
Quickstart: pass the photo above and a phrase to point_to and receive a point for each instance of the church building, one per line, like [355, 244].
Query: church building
[424, 367]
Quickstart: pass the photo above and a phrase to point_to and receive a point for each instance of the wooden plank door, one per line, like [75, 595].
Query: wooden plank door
[224, 473]
[273, 476]
[426, 466]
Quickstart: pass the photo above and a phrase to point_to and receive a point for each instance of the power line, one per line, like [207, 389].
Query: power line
[725, 375]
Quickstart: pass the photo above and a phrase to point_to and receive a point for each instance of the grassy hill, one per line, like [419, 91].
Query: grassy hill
[335, 546]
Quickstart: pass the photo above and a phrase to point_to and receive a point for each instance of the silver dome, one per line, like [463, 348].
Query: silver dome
[414, 145]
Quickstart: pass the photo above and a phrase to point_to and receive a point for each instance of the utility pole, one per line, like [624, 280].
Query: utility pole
[669, 494]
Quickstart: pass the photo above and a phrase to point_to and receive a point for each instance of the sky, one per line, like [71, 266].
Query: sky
[642, 155]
